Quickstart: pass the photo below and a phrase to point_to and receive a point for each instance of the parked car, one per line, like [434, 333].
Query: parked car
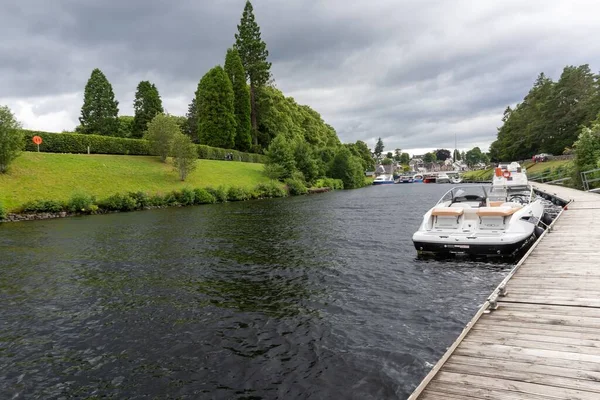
[541, 157]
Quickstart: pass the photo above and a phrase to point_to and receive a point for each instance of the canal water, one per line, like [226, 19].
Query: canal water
[317, 297]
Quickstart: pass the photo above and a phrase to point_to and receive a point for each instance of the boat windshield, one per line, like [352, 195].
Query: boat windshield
[465, 194]
[519, 194]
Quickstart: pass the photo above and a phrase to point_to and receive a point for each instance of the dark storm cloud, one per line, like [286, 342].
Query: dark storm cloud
[413, 72]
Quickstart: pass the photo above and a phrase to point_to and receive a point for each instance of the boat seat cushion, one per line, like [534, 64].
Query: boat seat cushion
[500, 211]
[447, 212]
[496, 203]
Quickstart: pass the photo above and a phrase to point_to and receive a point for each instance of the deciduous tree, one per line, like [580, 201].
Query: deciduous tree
[185, 155]
[161, 132]
[100, 109]
[11, 138]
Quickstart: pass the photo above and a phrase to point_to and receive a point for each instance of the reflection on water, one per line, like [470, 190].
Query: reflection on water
[318, 296]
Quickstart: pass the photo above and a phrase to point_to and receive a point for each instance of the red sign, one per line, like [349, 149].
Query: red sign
[37, 140]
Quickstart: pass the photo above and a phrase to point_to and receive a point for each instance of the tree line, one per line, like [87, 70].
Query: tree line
[550, 117]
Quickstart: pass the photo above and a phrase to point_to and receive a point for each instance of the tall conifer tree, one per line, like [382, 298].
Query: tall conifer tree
[147, 105]
[235, 71]
[100, 109]
[253, 52]
[216, 118]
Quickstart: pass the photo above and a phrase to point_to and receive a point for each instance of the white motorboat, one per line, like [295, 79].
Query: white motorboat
[455, 178]
[442, 177]
[384, 180]
[497, 220]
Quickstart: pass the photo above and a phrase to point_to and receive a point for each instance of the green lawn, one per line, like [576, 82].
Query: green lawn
[49, 176]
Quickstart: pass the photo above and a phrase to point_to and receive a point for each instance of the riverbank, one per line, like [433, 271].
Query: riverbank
[49, 176]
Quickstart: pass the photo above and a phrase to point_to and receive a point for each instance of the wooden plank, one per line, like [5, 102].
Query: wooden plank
[548, 309]
[574, 350]
[519, 374]
[498, 336]
[468, 393]
[584, 302]
[521, 366]
[553, 319]
[508, 353]
[477, 381]
[537, 330]
[542, 324]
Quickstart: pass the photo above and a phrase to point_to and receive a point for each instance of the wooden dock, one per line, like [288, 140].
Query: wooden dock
[538, 334]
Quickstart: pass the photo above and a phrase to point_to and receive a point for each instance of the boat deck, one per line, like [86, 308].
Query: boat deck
[538, 335]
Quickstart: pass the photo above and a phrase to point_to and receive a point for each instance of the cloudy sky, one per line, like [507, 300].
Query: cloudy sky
[413, 72]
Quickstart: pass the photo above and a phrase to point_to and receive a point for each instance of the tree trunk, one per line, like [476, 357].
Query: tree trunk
[253, 114]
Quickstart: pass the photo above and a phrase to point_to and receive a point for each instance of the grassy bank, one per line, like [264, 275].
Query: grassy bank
[532, 169]
[35, 176]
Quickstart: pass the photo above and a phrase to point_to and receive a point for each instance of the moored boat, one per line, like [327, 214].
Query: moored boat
[498, 220]
[384, 180]
[417, 178]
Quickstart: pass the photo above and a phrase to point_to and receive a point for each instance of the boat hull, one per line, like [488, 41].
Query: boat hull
[488, 250]
[384, 183]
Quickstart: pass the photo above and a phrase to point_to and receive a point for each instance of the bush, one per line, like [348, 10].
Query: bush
[119, 202]
[156, 201]
[334, 184]
[78, 143]
[142, 199]
[185, 155]
[2, 212]
[271, 189]
[238, 194]
[296, 187]
[80, 203]
[185, 197]
[220, 194]
[11, 138]
[38, 206]
[203, 196]
[348, 168]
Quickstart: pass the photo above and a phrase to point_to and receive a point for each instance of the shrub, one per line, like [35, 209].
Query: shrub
[203, 196]
[238, 194]
[80, 203]
[219, 193]
[2, 212]
[271, 189]
[348, 168]
[78, 143]
[185, 155]
[119, 202]
[275, 171]
[156, 201]
[185, 197]
[296, 187]
[11, 138]
[171, 199]
[141, 198]
[38, 206]
[334, 184]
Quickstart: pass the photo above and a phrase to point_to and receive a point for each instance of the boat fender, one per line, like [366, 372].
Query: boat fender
[546, 219]
[538, 231]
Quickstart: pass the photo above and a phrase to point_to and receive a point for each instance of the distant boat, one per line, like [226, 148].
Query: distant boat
[442, 178]
[455, 178]
[417, 178]
[429, 179]
[384, 180]
[405, 179]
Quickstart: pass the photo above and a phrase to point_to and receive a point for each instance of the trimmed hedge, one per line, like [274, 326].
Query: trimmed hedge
[78, 143]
